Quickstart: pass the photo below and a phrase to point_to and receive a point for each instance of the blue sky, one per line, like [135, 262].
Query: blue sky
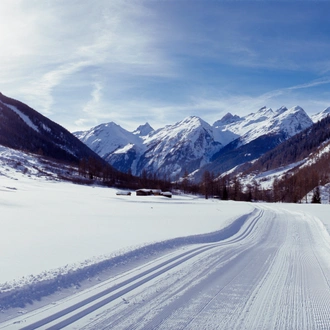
[84, 62]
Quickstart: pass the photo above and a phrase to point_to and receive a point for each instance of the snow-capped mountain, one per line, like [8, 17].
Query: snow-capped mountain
[192, 143]
[258, 133]
[264, 122]
[23, 128]
[169, 151]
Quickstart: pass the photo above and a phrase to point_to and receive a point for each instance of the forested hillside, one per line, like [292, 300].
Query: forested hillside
[296, 148]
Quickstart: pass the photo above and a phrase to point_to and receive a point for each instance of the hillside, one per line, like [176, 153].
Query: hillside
[294, 168]
[23, 128]
[296, 148]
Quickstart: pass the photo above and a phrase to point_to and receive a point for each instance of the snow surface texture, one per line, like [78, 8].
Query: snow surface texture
[270, 274]
[50, 225]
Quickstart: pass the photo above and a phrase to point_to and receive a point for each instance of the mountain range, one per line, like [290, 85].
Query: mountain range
[285, 152]
[192, 146]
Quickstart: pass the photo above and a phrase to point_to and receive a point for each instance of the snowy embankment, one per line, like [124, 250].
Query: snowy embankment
[56, 230]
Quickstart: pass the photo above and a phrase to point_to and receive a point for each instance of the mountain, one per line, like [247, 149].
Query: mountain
[175, 149]
[23, 128]
[295, 167]
[143, 130]
[106, 138]
[299, 147]
[192, 145]
[169, 151]
[259, 133]
[265, 122]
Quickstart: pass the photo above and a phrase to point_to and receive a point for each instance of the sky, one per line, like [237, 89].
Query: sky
[82, 62]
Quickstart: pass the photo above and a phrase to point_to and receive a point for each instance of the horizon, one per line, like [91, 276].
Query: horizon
[132, 62]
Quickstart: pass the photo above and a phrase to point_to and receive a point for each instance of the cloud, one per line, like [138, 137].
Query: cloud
[71, 42]
[131, 61]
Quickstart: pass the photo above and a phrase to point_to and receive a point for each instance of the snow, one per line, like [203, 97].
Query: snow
[143, 130]
[125, 149]
[270, 274]
[47, 225]
[266, 179]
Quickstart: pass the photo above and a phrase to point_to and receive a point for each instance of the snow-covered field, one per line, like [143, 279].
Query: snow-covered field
[266, 266]
[46, 225]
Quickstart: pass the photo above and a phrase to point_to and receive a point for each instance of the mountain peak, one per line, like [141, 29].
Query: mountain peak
[227, 119]
[297, 108]
[281, 110]
[265, 111]
[143, 130]
[192, 122]
[262, 109]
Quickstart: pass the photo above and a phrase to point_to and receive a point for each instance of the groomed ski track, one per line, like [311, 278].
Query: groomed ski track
[274, 273]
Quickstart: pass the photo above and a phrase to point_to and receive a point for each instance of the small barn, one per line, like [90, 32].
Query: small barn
[153, 192]
[123, 193]
[156, 192]
[144, 192]
[167, 194]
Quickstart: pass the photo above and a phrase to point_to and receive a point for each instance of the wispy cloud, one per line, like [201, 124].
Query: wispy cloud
[116, 41]
[131, 61]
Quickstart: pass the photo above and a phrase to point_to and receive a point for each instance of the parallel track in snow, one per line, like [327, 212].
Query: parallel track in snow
[275, 278]
[76, 311]
[272, 274]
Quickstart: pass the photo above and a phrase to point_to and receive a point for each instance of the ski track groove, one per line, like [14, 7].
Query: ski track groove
[320, 306]
[273, 273]
[289, 290]
[186, 256]
[159, 319]
[270, 274]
